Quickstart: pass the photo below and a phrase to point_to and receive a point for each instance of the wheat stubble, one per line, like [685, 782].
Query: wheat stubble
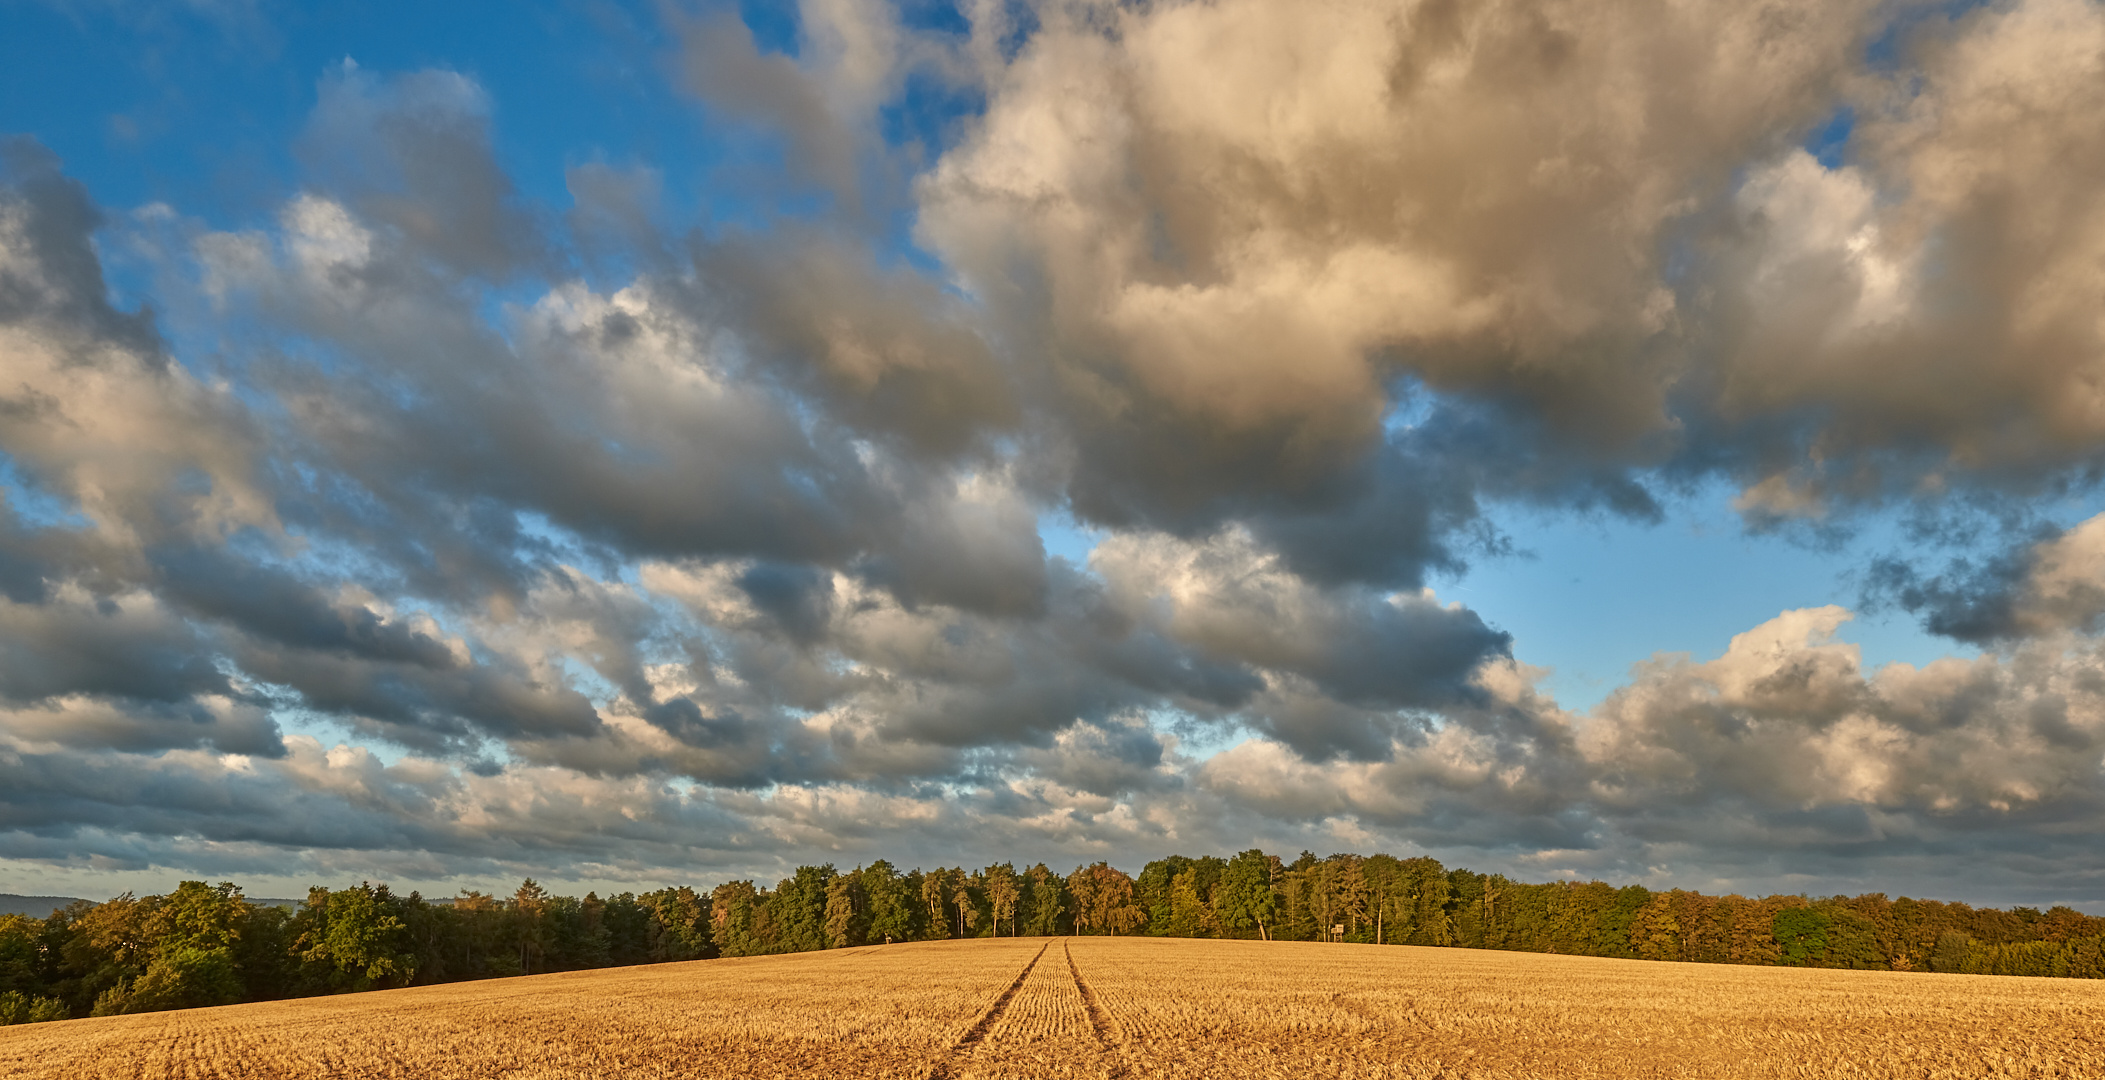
[1116, 1008]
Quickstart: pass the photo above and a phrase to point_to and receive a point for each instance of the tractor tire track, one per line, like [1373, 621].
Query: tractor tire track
[947, 1068]
[1099, 1019]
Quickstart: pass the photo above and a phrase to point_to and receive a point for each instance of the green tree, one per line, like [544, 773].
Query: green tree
[1383, 875]
[1852, 938]
[1656, 932]
[800, 909]
[1616, 921]
[628, 923]
[181, 977]
[963, 899]
[1802, 934]
[577, 933]
[1244, 897]
[734, 908]
[477, 925]
[1003, 891]
[935, 897]
[263, 952]
[529, 918]
[104, 946]
[680, 925]
[892, 909]
[17, 1007]
[21, 954]
[1954, 953]
[355, 937]
[847, 911]
[1152, 890]
[1046, 896]
[1190, 914]
[186, 940]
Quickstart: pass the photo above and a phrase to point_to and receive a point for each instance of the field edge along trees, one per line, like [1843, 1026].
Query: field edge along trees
[205, 944]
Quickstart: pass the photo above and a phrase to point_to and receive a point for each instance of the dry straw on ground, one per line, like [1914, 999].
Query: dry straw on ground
[1121, 1007]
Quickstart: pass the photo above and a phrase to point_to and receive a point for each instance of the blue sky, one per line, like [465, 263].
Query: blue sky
[686, 410]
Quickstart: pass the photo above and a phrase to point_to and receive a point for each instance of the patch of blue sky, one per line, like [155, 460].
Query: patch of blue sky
[1829, 143]
[930, 107]
[207, 114]
[320, 555]
[170, 107]
[332, 732]
[212, 120]
[36, 506]
[1066, 538]
[1589, 595]
[545, 537]
[584, 679]
[929, 119]
[1199, 737]
[1411, 404]
[1906, 24]
[776, 25]
[680, 638]
[1904, 28]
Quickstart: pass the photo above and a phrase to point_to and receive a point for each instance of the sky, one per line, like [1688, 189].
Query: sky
[662, 443]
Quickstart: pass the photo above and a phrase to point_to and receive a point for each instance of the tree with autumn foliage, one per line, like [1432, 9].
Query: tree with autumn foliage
[1103, 900]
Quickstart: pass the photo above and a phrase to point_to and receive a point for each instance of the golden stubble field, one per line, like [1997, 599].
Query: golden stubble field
[1120, 1007]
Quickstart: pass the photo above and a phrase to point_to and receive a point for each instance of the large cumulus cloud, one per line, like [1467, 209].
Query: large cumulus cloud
[619, 549]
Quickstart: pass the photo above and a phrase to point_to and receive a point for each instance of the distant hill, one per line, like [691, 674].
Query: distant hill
[40, 907]
[36, 907]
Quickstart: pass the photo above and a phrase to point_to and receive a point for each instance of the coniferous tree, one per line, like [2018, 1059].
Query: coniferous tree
[847, 911]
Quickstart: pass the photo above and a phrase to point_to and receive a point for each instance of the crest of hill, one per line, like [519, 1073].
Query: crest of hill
[36, 907]
[41, 907]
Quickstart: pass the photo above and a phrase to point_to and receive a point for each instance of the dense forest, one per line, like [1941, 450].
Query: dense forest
[207, 945]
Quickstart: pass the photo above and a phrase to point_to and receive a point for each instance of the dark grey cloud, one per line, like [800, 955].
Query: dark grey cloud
[123, 646]
[1966, 601]
[798, 598]
[888, 353]
[413, 151]
[55, 277]
[273, 605]
[2025, 580]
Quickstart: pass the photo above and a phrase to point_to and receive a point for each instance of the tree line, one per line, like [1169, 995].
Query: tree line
[208, 945]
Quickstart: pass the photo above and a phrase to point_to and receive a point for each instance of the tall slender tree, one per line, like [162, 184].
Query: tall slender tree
[1003, 891]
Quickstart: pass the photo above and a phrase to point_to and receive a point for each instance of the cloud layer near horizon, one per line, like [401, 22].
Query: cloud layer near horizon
[641, 551]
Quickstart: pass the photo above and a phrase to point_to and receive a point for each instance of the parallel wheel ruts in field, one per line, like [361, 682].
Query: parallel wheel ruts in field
[979, 1029]
[1099, 1018]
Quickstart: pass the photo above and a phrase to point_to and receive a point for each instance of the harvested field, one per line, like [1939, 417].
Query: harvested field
[1121, 1007]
